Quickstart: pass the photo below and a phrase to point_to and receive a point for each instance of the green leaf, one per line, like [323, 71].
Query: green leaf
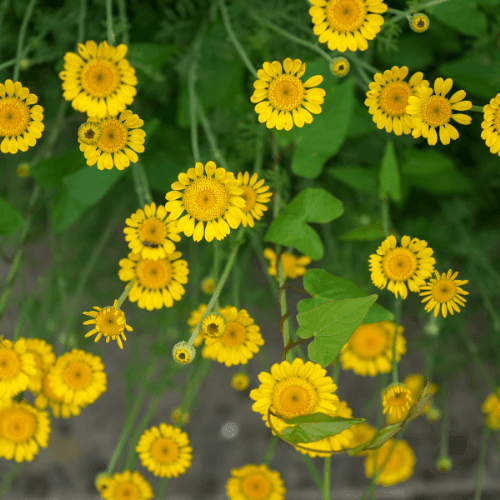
[315, 205]
[308, 163]
[366, 233]
[378, 439]
[361, 122]
[462, 16]
[390, 183]
[50, 172]
[357, 178]
[332, 324]
[10, 218]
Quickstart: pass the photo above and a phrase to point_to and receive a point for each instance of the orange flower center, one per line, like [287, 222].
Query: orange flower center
[164, 450]
[436, 111]
[154, 274]
[345, 15]
[256, 486]
[286, 92]
[394, 98]
[100, 78]
[14, 117]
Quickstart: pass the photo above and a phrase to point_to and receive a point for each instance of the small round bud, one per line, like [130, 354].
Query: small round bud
[89, 133]
[183, 352]
[178, 416]
[240, 381]
[24, 63]
[431, 328]
[23, 170]
[444, 464]
[364, 220]
[207, 285]
[214, 326]
[101, 481]
[433, 414]
[339, 67]
[419, 22]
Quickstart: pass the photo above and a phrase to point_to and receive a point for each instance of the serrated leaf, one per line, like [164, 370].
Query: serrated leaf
[390, 183]
[357, 178]
[10, 218]
[365, 233]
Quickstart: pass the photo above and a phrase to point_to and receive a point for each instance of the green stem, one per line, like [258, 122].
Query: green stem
[386, 222]
[123, 20]
[60, 281]
[312, 469]
[141, 184]
[8, 478]
[445, 419]
[216, 247]
[326, 478]
[398, 304]
[81, 21]
[364, 64]
[363, 75]
[3, 10]
[258, 249]
[192, 107]
[124, 294]
[109, 19]
[7, 64]
[478, 109]
[259, 151]
[236, 287]
[162, 487]
[270, 450]
[21, 37]
[482, 459]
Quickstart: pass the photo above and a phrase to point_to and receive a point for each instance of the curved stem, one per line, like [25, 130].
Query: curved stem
[22, 35]
[8, 478]
[478, 109]
[162, 487]
[312, 469]
[192, 106]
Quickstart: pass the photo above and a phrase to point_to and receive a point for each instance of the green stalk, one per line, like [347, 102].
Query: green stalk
[21, 37]
[236, 287]
[216, 247]
[192, 107]
[8, 478]
[7, 64]
[445, 419]
[478, 109]
[270, 450]
[482, 459]
[109, 20]
[141, 184]
[162, 487]
[258, 249]
[259, 151]
[398, 304]
[312, 469]
[123, 21]
[81, 20]
[326, 478]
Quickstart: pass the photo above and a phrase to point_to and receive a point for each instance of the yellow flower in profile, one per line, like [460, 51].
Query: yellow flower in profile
[207, 285]
[410, 263]
[121, 140]
[183, 352]
[292, 266]
[388, 97]
[491, 125]
[340, 66]
[17, 367]
[78, 377]
[215, 201]
[194, 319]
[434, 111]
[361, 433]
[240, 341]
[444, 293]
[214, 326]
[178, 416]
[396, 400]
[419, 22]
[44, 359]
[151, 232]
[255, 482]
[347, 24]
[21, 124]
[100, 80]
[240, 381]
[255, 196]
[89, 133]
[491, 407]
[23, 429]
[158, 282]
[288, 99]
[399, 466]
[165, 450]
[101, 482]
[369, 349]
[23, 170]
[127, 486]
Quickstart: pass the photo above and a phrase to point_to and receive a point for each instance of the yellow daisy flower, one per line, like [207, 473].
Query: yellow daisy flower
[491, 125]
[399, 467]
[434, 111]
[44, 359]
[419, 22]
[165, 451]
[121, 140]
[491, 407]
[109, 322]
[183, 352]
[178, 416]
[100, 80]
[20, 124]
[294, 389]
[159, 282]
[214, 326]
[254, 194]
[23, 429]
[292, 266]
[410, 263]
[396, 400]
[17, 367]
[444, 293]
[101, 482]
[127, 486]
[255, 482]
[361, 433]
[207, 285]
[388, 97]
[289, 100]
[215, 200]
[78, 377]
[240, 341]
[369, 349]
[194, 319]
[339, 67]
[23, 170]
[89, 133]
[347, 24]
[240, 381]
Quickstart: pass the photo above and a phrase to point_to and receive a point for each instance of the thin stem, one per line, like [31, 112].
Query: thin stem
[109, 19]
[192, 106]
[8, 478]
[398, 304]
[7, 64]
[385, 216]
[270, 450]
[162, 487]
[258, 249]
[216, 247]
[363, 75]
[312, 469]
[259, 151]
[141, 184]
[478, 109]
[124, 294]
[326, 478]
[236, 287]
[122, 9]
[21, 37]
[445, 419]
[81, 20]
[365, 65]
[482, 459]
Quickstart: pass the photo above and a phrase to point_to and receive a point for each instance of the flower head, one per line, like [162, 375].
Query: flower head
[255, 482]
[17, 367]
[23, 170]
[255, 196]
[178, 416]
[491, 125]
[101, 481]
[491, 407]
[240, 381]
[44, 359]
[411, 264]
[127, 486]
[340, 66]
[214, 326]
[444, 293]
[207, 285]
[212, 196]
[89, 133]
[100, 80]
[419, 22]
[388, 97]
[183, 352]
[21, 124]
[430, 111]
[283, 99]
[347, 24]
[396, 400]
[292, 266]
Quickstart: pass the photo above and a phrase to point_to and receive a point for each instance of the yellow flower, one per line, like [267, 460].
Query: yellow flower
[254, 194]
[340, 66]
[23, 170]
[419, 22]
[240, 381]
[207, 285]
[194, 319]
[165, 451]
[491, 407]
[44, 359]
[214, 326]
[255, 482]
[444, 293]
[183, 352]
[101, 481]
[369, 349]
[410, 263]
[240, 341]
[491, 125]
[396, 400]
[292, 266]
[215, 200]
[289, 100]
[434, 111]
[17, 367]
[388, 97]
[347, 24]
[89, 133]
[178, 416]
[398, 468]
[100, 80]
[159, 282]
[361, 433]
[22, 430]
[127, 486]
[119, 144]
[78, 377]
[20, 124]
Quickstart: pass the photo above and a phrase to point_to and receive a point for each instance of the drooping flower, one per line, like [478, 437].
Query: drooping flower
[255, 196]
[44, 359]
[491, 407]
[283, 99]
[340, 66]
[17, 366]
[396, 400]
[255, 482]
[194, 319]
[419, 22]
[89, 133]
[214, 326]
[127, 486]
[183, 352]
[491, 125]
[240, 381]
[292, 266]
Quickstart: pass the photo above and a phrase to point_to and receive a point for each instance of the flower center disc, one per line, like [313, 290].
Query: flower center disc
[17, 424]
[114, 135]
[444, 290]
[107, 322]
[212, 330]
[14, 117]
[256, 486]
[206, 199]
[345, 15]
[368, 341]
[77, 374]
[293, 397]
[394, 98]
[436, 111]
[154, 274]
[397, 399]
[399, 264]
[153, 231]
[286, 92]
[100, 78]
[127, 491]
[235, 335]
[164, 450]
[250, 197]
[10, 364]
